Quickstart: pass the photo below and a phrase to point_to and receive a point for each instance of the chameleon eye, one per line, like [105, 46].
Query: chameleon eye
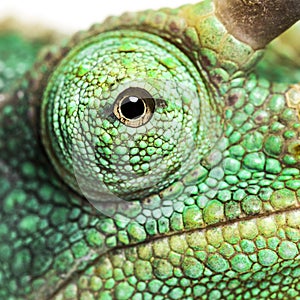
[134, 107]
[126, 113]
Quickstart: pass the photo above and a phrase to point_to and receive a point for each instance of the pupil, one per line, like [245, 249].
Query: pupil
[132, 107]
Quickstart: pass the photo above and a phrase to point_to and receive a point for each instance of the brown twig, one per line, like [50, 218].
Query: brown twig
[257, 22]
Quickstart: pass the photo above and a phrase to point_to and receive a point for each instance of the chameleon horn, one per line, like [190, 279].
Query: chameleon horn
[257, 22]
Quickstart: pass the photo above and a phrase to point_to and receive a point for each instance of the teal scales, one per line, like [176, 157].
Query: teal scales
[195, 195]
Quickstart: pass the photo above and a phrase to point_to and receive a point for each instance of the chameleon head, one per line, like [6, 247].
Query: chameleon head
[162, 104]
[121, 115]
[128, 113]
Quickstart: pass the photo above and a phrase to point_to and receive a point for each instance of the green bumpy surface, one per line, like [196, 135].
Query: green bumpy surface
[209, 188]
[77, 114]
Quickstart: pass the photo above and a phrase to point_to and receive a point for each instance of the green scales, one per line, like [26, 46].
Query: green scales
[154, 156]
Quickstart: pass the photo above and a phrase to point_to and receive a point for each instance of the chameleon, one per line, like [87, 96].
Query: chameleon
[153, 156]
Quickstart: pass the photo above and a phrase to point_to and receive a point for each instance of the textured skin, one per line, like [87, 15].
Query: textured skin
[228, 228]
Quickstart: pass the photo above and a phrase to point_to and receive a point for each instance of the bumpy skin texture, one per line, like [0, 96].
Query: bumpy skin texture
[226, 228]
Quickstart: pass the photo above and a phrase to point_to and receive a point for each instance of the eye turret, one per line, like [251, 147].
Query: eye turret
[125, 113]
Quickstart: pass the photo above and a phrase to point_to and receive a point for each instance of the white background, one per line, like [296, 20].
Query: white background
[69, 16]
